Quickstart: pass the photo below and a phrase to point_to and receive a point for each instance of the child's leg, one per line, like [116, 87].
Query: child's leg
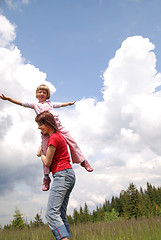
[46, 170]
[76, 154]
[46, 179]
[45, 139]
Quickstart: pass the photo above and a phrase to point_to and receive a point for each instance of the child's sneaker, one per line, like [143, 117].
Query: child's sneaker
[87, 166]
[46, 184]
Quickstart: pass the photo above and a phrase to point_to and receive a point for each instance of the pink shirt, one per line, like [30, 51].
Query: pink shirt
[40, 107]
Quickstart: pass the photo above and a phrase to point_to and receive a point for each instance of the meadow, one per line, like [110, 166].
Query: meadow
[141, 229]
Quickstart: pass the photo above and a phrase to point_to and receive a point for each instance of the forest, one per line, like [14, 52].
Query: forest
[131, 203]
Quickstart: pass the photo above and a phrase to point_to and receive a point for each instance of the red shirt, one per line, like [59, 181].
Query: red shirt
[61, 159]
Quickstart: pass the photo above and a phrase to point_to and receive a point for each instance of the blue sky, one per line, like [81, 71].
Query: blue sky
[104, 54]
[72, 41]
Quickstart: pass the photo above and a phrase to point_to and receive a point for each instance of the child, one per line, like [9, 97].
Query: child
[43, 104]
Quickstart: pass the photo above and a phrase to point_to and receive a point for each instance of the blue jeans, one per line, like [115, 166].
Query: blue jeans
[63, 183]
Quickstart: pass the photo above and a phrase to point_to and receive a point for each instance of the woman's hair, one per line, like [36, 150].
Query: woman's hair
[43, 87]
[47, 118]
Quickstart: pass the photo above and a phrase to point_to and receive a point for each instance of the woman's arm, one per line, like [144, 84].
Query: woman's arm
[47, 160]
[3, 97]
[67, 104]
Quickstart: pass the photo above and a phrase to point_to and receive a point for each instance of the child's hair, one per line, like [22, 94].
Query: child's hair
[46, 118]
[43, 87]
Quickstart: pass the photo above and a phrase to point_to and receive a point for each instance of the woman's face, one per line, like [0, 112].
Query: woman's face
[44, 128]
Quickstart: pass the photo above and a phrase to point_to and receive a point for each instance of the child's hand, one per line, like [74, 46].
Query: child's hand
[67, 104]
[71, 103]
[3, 97]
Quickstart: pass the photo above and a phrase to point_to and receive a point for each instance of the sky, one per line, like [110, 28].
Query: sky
[106, 56]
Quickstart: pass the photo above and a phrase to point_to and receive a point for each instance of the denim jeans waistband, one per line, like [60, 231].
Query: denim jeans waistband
[65, 170]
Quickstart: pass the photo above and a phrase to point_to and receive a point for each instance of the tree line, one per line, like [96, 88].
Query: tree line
[132, 203]
[19, 221]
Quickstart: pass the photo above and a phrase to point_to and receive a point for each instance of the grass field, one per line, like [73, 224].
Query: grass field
[142, 229]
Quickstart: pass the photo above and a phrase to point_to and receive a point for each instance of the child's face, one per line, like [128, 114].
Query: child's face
[42, 95]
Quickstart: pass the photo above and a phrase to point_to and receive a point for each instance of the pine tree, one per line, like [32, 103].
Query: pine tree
[38, 221]
[145, 205]
[18, 220]
[94, 216]
[86, 213]
[70, 219]
[107, 206]
[76, 216]
[81, 215]
[100, 214]
[131, 202]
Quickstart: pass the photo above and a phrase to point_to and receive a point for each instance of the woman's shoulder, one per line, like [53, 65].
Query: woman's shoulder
[57, 139]
[57, 135]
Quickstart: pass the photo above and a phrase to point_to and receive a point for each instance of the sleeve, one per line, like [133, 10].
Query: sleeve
[53, 141]
[28, 105]
[56, 104]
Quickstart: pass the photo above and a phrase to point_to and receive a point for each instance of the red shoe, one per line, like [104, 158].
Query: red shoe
[46, 184]
[87, 166]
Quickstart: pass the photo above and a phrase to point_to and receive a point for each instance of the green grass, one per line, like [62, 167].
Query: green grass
[142, 229]
[42, 233]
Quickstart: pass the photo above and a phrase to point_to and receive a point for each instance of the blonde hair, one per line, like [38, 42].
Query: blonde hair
[43, 87]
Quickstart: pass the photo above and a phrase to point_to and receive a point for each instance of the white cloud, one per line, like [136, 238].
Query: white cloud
[120, 135]
[19, 137]
[7, 31]
[14, 4]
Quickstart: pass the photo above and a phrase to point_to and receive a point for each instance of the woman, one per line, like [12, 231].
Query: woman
[58, 159]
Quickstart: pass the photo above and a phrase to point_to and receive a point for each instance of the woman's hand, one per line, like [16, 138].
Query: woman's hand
[39, 151]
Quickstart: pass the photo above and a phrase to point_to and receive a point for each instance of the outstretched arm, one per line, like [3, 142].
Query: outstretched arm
[67, 104]
[3, 97]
